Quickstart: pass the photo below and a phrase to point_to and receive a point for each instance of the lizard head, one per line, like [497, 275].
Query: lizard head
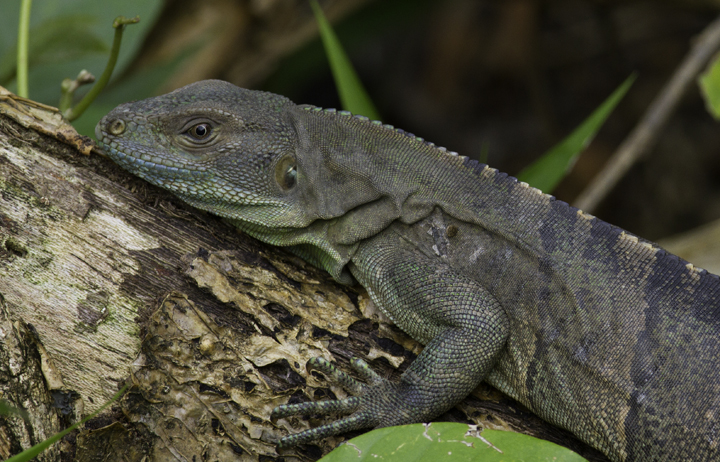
[220, 148]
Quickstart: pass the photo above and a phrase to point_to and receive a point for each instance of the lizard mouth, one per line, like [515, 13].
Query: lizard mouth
[147, 168]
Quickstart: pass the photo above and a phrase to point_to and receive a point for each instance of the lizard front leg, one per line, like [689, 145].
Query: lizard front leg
[462, 325]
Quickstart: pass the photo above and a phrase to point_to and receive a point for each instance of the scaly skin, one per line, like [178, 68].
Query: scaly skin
[592, 328]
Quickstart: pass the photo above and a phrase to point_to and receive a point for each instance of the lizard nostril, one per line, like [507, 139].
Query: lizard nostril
[117, 127]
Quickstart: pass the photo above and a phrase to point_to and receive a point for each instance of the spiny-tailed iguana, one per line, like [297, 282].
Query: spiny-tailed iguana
[593, 329]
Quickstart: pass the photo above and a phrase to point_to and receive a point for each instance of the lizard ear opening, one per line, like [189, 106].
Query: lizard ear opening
[286, 173]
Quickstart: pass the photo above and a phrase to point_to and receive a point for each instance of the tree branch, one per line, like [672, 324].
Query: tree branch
[643, 137]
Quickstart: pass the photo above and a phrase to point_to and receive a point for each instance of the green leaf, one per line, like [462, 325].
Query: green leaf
[67, 36]
[448, 441]
[709, 82]
[546, 172]
[56, 40]
[353, 96]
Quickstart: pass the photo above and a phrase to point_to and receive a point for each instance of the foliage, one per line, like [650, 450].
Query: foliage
[67, 36]
[709, 82]
[451, 442]
[352, 94]
[32, 452]
[546, 172]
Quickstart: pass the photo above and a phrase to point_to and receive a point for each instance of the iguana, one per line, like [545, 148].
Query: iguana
[592, 328]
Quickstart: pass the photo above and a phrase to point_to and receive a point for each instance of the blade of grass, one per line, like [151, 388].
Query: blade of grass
[546, 172]
[22, 50]
[32, 452]
[709, 82]
[353, 96]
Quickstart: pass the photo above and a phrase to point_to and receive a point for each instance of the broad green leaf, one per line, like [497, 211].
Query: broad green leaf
[546, 172]
[709, 82]
[448, 441]
[353, 96]
[71, 35]
[56, 40]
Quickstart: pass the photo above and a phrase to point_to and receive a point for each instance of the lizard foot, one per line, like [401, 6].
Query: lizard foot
[368, 408]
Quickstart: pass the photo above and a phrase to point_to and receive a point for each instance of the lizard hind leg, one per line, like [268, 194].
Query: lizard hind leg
[464, 328]
[462, 325]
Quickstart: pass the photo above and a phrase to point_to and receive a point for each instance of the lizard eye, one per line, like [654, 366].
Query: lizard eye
[286, 173]
[117, 127]
[199, 131]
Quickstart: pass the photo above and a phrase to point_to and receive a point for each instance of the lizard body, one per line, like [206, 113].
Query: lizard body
[593, 329]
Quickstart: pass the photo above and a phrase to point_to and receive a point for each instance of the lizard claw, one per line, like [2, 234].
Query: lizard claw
[360, 407]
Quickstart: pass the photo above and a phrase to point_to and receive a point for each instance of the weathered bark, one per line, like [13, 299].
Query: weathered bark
[106, 280]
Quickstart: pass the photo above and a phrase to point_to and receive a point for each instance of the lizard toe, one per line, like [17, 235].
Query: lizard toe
[338, 406]
[362, 368]
[353, 422]
[334, 374]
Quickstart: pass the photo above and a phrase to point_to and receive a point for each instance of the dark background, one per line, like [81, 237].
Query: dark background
[500, 80]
